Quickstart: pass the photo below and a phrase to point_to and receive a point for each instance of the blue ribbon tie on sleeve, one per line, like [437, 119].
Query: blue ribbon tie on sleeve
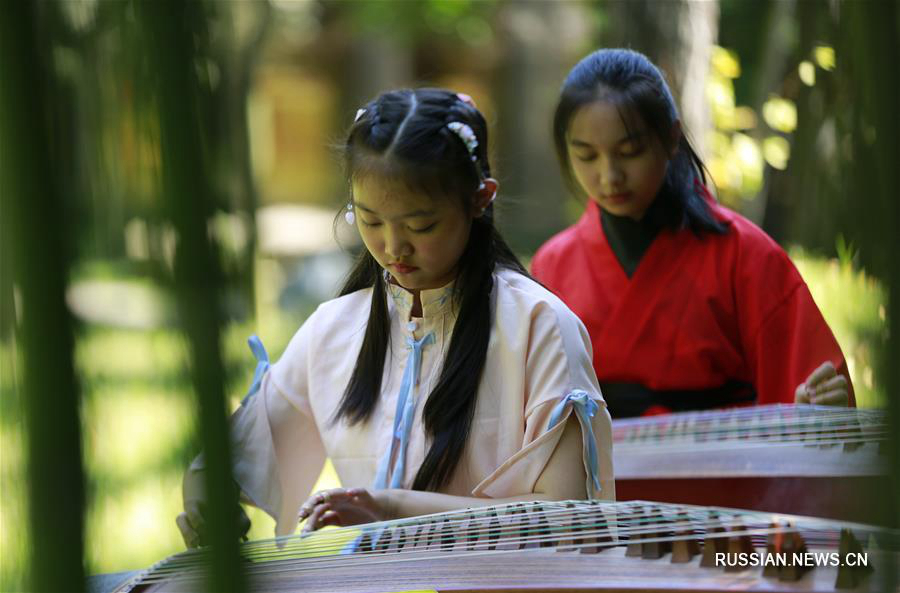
[262, 365]
[584, 407]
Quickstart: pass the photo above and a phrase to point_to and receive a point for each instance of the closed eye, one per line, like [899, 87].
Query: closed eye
[585, 158]
[424, 229]
[631, 150]
[369, 224]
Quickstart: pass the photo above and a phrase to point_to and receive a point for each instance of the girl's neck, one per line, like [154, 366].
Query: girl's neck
[416, 310]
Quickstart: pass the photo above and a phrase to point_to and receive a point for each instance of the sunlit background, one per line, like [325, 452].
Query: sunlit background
[762, 94]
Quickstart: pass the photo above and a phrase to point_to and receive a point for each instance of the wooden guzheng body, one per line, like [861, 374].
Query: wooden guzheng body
[555, 547]
[810, 460]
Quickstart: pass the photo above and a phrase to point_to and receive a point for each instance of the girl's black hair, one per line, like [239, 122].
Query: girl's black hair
[403, 134]
[637, 88]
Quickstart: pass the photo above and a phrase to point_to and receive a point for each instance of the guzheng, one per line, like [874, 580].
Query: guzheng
[811, 460]
[562, 546]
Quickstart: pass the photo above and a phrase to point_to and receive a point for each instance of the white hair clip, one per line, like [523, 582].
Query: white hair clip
[359, 114]
[467, 135]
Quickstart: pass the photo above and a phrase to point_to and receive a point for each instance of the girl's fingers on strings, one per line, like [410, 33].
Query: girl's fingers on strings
[357, 494]
[837, 397]
[825, 371]
[193, 518]
[305, 510]
[313, 520]
[188, 532]
[801, 394]
[835, 383]
[820, 381]
[336, 495]
[319, 497]
[329, 518]
[193, 514]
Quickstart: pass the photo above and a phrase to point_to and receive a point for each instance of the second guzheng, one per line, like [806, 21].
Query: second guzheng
[562, 546]
[810, 460]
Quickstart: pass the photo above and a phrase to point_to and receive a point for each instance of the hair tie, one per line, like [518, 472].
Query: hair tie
[359, 114]
[466, 99]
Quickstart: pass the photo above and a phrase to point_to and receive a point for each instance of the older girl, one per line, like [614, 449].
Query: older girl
[688, 304]
[443, 376]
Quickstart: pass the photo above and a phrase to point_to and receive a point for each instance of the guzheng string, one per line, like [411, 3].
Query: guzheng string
[562, 526]
[747, 427]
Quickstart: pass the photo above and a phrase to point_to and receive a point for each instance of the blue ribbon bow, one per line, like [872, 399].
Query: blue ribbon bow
[260, 354]
[584, 407]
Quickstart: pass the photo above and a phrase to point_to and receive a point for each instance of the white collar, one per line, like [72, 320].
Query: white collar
[435, 301]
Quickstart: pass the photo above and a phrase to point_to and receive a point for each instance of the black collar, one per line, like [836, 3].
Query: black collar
[629, 239]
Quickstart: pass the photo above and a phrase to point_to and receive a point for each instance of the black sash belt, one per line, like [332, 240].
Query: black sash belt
[626, 400]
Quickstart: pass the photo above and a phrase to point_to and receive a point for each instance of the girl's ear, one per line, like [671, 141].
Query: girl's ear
[486, 193]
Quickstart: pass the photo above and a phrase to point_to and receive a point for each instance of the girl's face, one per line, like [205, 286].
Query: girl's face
[620, 170]
[418, 239]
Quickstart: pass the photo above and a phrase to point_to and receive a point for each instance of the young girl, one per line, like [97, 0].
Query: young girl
[688, 304]
[443, 376]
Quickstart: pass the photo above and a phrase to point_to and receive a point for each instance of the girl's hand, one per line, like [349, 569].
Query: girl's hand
[342, 506]
[824, 387]
[193, 526]
[190, 524]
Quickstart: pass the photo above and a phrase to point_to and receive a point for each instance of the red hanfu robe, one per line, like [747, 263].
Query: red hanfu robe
[696, 313]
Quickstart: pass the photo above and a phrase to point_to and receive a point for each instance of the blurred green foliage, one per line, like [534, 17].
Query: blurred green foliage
[468, 21]
[744, 139]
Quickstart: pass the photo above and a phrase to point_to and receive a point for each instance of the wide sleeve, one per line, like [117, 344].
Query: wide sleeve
[785, 336]
[559, 382]
[277, 453]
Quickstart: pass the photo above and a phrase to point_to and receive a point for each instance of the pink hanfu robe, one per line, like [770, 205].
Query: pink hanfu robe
[538, 358]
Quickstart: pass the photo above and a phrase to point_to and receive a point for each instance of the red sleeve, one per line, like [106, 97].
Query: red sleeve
[785, 336]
